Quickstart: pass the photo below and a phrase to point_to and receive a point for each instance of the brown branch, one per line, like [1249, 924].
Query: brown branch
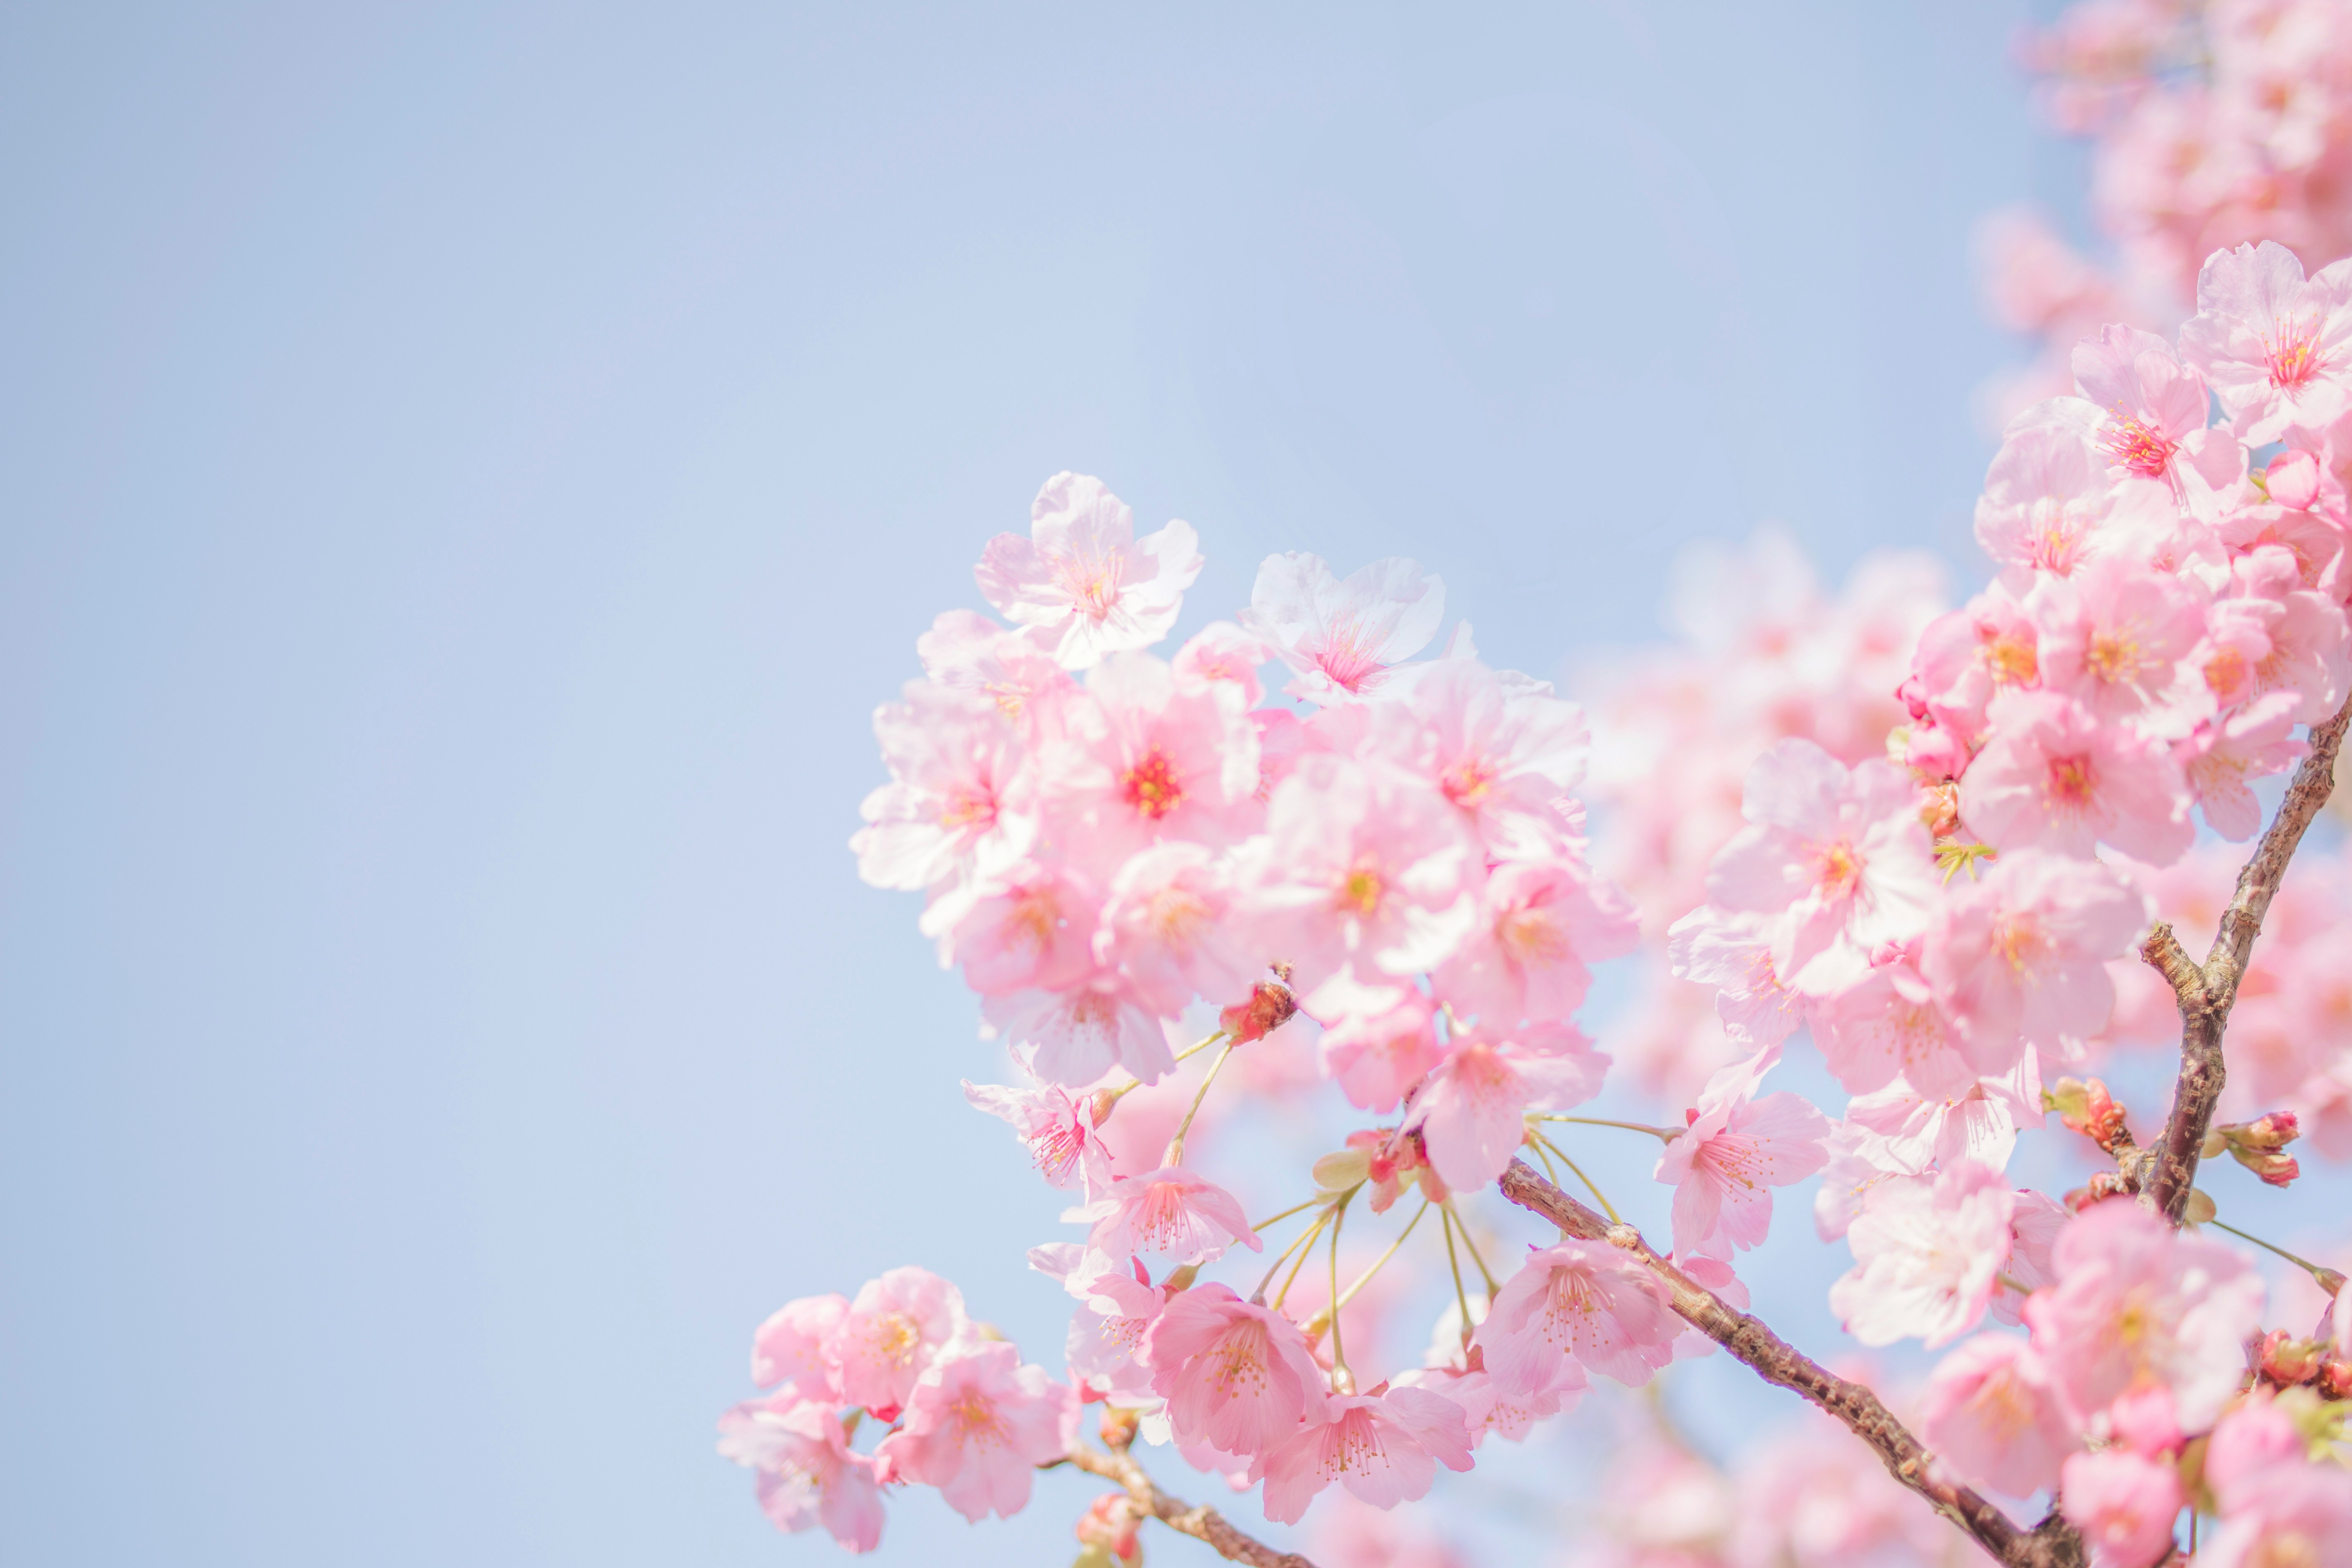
[2168, 1172]
[2052, 1544]
[1201, 1523]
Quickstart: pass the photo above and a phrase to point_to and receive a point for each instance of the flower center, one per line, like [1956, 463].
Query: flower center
[2012, 659]
[1837, 870]
[2132, 444]
[1359, 892]
[2073, 781]
[1468, 783]
[2294, 357]
[2113, 656]
[1152, 787]
[1532, 937]
[1346, 658]
[1090, 583]
[977, 1424]
[2018, 937]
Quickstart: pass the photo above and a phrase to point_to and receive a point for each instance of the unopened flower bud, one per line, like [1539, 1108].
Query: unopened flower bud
[1119, 1425]
[1100, 1104]
[1108, 1531]
[2085, 1105]
[2286, 1360]
[2201, 1206]
[2102, 1186]
[2276, 1169]
[1347, 1168]
[1269, 1007]
[2334, 1380]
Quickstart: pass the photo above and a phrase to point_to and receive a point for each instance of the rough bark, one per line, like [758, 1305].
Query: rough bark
[1201, 1523]
[2052, 1544]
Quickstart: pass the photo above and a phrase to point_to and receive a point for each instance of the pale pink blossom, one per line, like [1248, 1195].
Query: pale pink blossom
[892, 1331]
[1927, 1257]
[1342, 637]
[1859, 1163]
[1579, 1301]
[2022, 952]
[1487, 1408]
[1145, 757]
[1031, 929]
[1990, 1413]
[1888, 1025]
[2219, 759]
[2053, 776]
[1966, 657]
[1076, 1035]
[967, 652]
[2288, 638]
[2303, 1519]
[1378, 1053]
[960, 801]
[1735, 1150]
[790, 1347]
[2051, 501]
[1362, 868]
[1501, 752]
[1238, 1377]
[2276, 346]
[1118, 1306]
[1469, 1109]
[2136, 1305]
[1733, 953]
[1168, 1212]
[1223, 653]
[2149, 401]
[1980, 1121]
[1383, 1448]
[1057, 1131]
[1171, 926]
[1539, 922]
[977, 1426]
[2116, 636]
[1082, 585]
[1836, 856]
[807, 1476]
[2123, 1503]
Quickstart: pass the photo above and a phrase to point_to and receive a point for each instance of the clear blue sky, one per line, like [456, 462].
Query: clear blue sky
[466, 475]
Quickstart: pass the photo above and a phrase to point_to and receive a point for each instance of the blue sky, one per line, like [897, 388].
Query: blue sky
[467, 474]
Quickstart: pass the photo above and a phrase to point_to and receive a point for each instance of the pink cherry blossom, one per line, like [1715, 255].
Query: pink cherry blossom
[2116, 636]
[892, 1331]
[2276, 346]
[1146, 757]
[1077, 1035]
[1223, 653]
[1916, 1130]
[1236, 1376]
[2137, 1305]
[1469, 1109]
[977, 1426]
[2219, 759]
[959, 802]
[1172, 926]
[1342, 637]
[1168, 1212]
[1082, 584]
[1837, 855]
[2303, 1516]
[1990, 1413]
[1377, 1054]
[1384, 1448]
[2053, 776]
[1361, 868]
[1031, 929]
[1539, 922]
[1501, 750]
[1733, 953]
[807, 1475]
[1057, 1132]
[1579, 1300]
[1489, 1411]
[966, 652]
[1889, 1026]
[1927, 1257]
[2272, 635]
[2023, 952]
[2124, 1505]
[2149, 401]
[2051, 501]
[1988, 645]
[790, 1347]
[1735, 1150]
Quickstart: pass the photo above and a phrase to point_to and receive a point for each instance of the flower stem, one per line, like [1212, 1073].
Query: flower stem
[1305, 1239]
[1663, 1134]
[1175, 1155]
[1340, 1375]
[1292, 1277]
[2316, 1271]
[1365, 1278]
[1606, 1207]
[1186, 1055]
[1484, 1273]
[1278, 1218]
[1461, 1297]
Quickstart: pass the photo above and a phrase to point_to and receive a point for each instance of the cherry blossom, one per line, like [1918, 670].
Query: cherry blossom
[790, 1348]
[1991, 1413]
[1057, 1132]
[2123, 1503]
[807, 1475]
[977, 1425]
[2022, 952]
[1539, 923]
[1168, 1212]
[1735, 1150]
[2276, 346]
[2053, 776]
[1384, 1448]
[894, 1328]
[1469, 1108]
[1082, 585]
[1579, 1300]
[1928, 1255]
[1343, 638]
[1238, 1377]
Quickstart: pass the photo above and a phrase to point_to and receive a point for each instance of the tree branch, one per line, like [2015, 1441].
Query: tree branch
[2168, 1172]
[1201, 1523]
[2052, 1544]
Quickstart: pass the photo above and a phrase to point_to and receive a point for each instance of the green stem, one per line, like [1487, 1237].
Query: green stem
[1294, 1208]
[2313, 1269]
[1305, 1239]
[1340, 1372]
[1365, 1278]
[1292, 1277]
[1484, 1272]
[1461, 1296]
[1580, 1176]
[1175, 1155]
[1663, 1134]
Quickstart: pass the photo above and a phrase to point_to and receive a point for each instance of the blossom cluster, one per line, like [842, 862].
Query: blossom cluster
[2211, 125]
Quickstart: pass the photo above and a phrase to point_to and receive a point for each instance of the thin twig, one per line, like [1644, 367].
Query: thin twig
[2053, 1544]
[2166, 1172]
[1201, 1523]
